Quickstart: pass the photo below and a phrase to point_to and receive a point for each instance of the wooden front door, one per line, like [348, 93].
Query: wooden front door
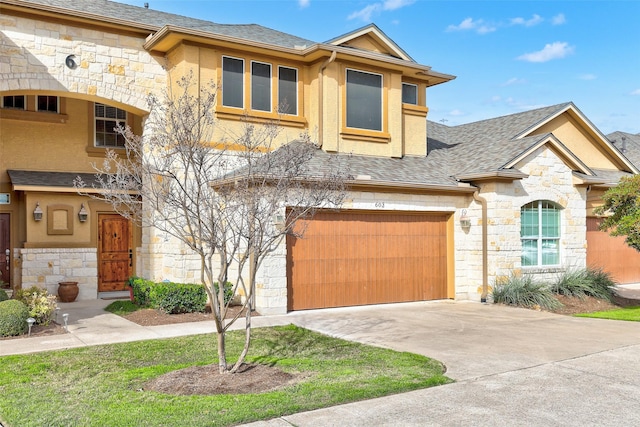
[5, 250]
[115, 252]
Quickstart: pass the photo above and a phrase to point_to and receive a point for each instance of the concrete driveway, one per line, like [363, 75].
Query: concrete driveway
[512, 366]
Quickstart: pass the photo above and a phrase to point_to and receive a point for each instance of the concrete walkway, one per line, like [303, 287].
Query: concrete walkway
[511, 366]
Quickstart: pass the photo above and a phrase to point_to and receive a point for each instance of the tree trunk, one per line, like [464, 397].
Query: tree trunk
[247, 342]
[222, 354]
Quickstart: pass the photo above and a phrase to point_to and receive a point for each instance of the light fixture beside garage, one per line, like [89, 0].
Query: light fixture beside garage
[465, 221]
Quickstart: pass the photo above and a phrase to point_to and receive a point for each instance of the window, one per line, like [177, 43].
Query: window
[14, 101]
[107, 120]
[260, 86]
[288, 90]
[409, 94]
[232, 82]
[540, 233]
[364, 100]
[47, 104]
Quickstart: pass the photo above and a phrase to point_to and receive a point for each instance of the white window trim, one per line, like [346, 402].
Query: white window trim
[381, 100]
[540, 237]
[243, 81]
[14, 108]
[270, 85]
[296, 91]
[116, 120]
[47, 111]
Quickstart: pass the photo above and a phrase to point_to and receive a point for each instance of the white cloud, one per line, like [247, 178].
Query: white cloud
[587, 77]
[636, 92]
[559, 19]
[456, 113]
[535, 20]
[304, 3]
[396, 4]
[368, 11]
[556, 50]
[514, 81]
[469, 24]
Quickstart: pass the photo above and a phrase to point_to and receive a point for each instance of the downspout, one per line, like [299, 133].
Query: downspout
[321, 96]
[485, 238]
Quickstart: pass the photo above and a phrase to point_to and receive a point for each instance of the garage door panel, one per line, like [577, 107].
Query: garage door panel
[612, 254]
[355, 258]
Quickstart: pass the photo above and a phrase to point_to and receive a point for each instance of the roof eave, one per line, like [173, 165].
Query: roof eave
[499, 175]
[77, 16]
[169, 36]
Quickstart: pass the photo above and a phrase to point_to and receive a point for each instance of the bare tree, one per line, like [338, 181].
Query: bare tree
[230, 207]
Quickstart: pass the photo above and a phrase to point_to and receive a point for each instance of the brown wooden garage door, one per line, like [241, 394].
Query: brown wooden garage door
[347, 259]
[612, 254]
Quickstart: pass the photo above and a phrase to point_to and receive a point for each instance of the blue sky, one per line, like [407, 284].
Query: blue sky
[508, 56]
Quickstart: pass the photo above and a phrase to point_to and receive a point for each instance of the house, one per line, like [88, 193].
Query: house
[434, 211]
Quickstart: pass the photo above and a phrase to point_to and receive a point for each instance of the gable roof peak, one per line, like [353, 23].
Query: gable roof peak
[372, 30]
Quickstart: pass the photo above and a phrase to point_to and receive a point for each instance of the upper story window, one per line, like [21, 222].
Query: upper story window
[409, 94]
[232, 82]
[364, 100]
[288, 90]
[47, 103]
[271, 89]
[540, 233]
[14, 101]
[260, 86]
[107, 119]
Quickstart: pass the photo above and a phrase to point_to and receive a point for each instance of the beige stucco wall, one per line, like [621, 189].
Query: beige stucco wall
[579, 141]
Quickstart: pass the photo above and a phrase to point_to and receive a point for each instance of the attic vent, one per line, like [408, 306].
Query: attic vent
[146, 5]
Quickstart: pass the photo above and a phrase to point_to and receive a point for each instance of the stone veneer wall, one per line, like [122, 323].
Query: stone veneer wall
[271, 286]
[549, 179]
[110, 66]
[45, 267]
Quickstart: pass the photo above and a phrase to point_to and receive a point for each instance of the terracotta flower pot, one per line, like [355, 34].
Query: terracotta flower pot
[67, 291]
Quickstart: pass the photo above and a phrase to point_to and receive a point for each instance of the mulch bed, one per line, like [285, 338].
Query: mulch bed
[207, 380]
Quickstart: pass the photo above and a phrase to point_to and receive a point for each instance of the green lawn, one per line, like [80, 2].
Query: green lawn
[629, 313]
[100, 386]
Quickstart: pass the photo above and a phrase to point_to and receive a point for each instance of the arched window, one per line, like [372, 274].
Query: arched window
[540, 233]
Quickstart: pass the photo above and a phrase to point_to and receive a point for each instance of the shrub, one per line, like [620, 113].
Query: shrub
[574, 282]
[13, 318]
[228, 291]
[41, 305]
[603, 283]
[585, 282]
[141, 288]
[523, 291]
[175, 298]
[3, 295]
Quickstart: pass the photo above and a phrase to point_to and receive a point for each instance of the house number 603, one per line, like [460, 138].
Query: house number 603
[379, 205]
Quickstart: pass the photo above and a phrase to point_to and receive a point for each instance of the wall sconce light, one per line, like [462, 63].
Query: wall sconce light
[278, 222]
[83, 214]
[37, 212]
[465, 221]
